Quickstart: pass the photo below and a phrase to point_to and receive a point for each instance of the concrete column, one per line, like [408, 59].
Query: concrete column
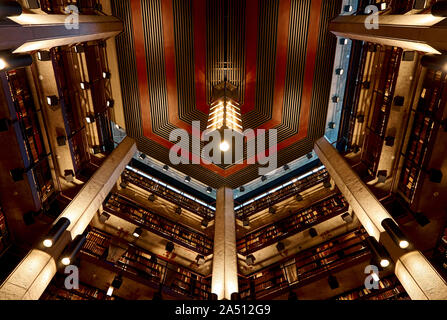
[33, 274]
[417, 275]
[225, 280]
[420, 32]
[29, 32]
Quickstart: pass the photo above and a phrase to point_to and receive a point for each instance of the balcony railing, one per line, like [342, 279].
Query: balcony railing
[303, 219]
[143, 264]
[127, 209]
[306, 266]
[167, 194]
[257, 204]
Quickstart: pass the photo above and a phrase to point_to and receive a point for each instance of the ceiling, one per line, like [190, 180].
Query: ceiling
[279, 56]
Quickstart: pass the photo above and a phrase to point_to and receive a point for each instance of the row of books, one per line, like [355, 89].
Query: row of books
[117, 204]
[389, 289]
[307, 264]
[282, 194]
[293, 224]
[167, 194]
[142, 263]
[4, 235]
[422, 131]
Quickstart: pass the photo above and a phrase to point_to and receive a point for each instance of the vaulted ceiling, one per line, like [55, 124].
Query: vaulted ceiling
[279, 55]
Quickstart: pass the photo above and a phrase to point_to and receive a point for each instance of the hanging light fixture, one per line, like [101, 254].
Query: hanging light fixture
[380, 255]
[395, 233]
[72, 249]
[56, 232]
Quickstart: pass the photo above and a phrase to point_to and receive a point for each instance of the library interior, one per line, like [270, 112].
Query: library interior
[349, 97]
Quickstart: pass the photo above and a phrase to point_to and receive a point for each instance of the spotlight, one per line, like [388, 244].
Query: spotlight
[187, 179]
[286, 167]
[200, 259]
[343, 41]
[56, 232]
[395, 233]
[103, 217]
[169, 247]
[339, 71]
[178, 210]
[246, 222]
[309, 156]
[137, 232]
[331, 125]
[280, 246]
[79, 48]
[10, 9]
[90, 118]
[224, 146]
[151, 197]
[106, 75]
[380, 255]
[52, 100]
[204, 223]
[250, 260]
[116, 284]
[263, 178]
[272, 210]
[13, 61]
[333, 282]
[347, 217]
[313, 232]
[2, 64]
[209, 190]
[72, 249]
[327, 184]
[335, 99]
[110, 103]
[165, 167]
[242, 189]
[84, 85]
[382, 6]
[299, 197]
[44, 56]
[142, 156]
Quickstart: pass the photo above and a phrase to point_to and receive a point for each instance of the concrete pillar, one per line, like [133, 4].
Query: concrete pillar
[29, 32]
[417, 275]
[33, 274]
[419, 32]
[225, 280]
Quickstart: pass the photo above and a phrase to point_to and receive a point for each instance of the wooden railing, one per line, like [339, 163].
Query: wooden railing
[167, 194]
[141, 263]
[126, 208]
[282, 194]
[306, 266]
[303, 219]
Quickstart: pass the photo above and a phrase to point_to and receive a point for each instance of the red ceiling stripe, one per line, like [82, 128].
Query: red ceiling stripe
[199, 11]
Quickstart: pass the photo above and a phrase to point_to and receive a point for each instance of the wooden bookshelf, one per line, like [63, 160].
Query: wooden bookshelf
[282, 194]
[389, 289]
[4, 234]
[57, 291]
[128, 209]
[167, 194]
[381, 102]
[306, 266]
[146, 265]
[303, 219]
[58, 6]
[34, 144]
[422, 132]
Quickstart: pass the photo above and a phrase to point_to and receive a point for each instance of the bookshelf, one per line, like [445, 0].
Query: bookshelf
[389, 289]
[440, 254]
[303, 219]
[167, 194]
[146, 265]
[381, 102]
[306, 265]
[57, 291]
[34, 144]
[126, 208]
[4, 235]
[58, 6]
[422, 132]
[281, 194]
